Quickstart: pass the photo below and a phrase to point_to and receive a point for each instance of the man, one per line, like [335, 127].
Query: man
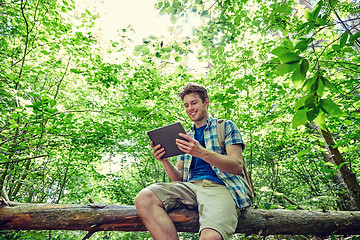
[206, 177]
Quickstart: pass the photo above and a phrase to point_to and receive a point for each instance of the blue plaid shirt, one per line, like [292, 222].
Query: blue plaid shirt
[234, 183]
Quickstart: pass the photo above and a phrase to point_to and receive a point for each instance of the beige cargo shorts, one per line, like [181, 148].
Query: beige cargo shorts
[217, 209]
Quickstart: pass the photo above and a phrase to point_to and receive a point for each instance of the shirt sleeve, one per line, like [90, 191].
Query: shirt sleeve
[233, 135]
[180, 158]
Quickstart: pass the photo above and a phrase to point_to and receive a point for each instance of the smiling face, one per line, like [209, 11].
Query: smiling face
[196, 109]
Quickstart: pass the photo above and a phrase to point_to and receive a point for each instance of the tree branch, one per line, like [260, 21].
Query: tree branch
[125, 218]
[24, 159]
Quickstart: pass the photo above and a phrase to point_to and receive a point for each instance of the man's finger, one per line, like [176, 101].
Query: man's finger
[182, 142]
[187, 137]
[155, 147]
[159, 151]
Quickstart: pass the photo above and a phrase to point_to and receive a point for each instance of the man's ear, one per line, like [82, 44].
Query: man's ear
[206, 102]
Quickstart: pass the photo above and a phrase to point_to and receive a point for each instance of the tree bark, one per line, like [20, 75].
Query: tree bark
[345, 201]
[348, 176]
[95, 217]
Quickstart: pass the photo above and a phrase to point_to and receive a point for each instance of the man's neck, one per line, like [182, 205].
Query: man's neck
[201, 122]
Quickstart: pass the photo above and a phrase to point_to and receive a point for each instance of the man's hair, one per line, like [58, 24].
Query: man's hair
[193, 88]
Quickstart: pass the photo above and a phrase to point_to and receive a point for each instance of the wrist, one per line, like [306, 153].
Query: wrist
[204, 154]
[164, 161]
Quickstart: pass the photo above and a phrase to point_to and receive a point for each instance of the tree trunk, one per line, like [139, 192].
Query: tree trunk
[348, 176]
[95, 217]
[345, 201]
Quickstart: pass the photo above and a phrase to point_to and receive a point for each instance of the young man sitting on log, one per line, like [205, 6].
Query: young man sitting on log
[206, 177]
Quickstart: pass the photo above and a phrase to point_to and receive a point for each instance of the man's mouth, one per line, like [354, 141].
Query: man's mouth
[193, 114]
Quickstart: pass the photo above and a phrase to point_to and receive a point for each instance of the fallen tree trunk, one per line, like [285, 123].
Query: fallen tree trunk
[95, 217]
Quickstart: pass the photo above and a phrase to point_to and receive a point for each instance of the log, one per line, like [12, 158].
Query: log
[95, 217]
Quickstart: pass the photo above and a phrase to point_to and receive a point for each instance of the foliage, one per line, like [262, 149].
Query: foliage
[73, 123]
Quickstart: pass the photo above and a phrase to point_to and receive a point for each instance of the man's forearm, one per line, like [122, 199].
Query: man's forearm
[226, 163]
[173, 173]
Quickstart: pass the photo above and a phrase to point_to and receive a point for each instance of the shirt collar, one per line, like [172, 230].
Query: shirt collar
[209, 121]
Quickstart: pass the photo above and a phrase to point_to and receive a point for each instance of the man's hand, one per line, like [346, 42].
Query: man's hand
[158, 151]
[191, 146]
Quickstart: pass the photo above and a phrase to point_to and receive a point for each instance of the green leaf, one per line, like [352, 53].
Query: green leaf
[300, 74]
[298, 78]
[289, 57]
[348, 49]
[312, 114]
[303, 44]
[237, 19]
[326, 82]
[329, 107]
[286, 68]
[52, 103]
[308, 14]
[138, 48]
[220, 49]
[73, 70]
[276, 206]
[12, 121]
[336, 47]
[344, 39]
[292, 207]
[267, 205]
[308, 83]
[341, 143]
[320, 120]
[304, 67]
[303, 152]
[299, 118]
[146, 51]
[339, 166]
[310, 100]
[173, 19]
[316, 10]
[320, 87]
[213, 50]
[301, 102]
[158, 5]
[171, 10]
[326, 170]
[280, 51]
[304, 25]
[323, 20]
[354, 37]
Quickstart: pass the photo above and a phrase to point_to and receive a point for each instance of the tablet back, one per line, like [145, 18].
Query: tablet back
[166, 137]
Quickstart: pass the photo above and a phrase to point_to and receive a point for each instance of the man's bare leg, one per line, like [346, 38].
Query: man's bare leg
[210, 234]
[153, 215]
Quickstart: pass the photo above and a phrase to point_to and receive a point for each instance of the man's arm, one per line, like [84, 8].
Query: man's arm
[174, 173]
[230, 163]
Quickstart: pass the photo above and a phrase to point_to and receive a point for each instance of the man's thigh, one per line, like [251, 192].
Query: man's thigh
[217, 209]
[175, 194]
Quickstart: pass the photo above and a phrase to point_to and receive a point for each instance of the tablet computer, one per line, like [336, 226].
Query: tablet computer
[166, 136]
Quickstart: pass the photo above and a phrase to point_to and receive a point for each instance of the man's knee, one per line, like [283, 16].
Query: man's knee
[145, 199]
[210, 234]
